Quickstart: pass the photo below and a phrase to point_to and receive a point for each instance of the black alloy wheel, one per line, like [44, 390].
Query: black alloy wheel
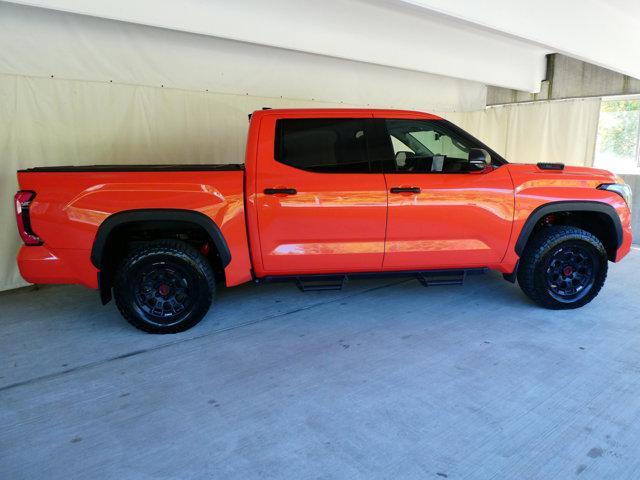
[165, 286]
[163, 292]
[563, 267]
[571, 271]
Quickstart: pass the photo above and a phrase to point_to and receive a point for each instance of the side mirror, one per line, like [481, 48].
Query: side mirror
[401, 158]
[479, 158]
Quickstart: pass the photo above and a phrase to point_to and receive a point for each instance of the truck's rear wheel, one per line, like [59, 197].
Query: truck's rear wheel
[165, 286]
[563, 267]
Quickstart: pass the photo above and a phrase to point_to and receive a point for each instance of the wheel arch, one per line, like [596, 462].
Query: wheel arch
[117, 220]
[110, 227]
[603, 210]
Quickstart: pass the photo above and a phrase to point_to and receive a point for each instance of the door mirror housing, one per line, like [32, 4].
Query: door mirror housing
[402, 156]
[479, 158]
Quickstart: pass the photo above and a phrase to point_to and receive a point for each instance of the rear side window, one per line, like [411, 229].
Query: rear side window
[326, 145]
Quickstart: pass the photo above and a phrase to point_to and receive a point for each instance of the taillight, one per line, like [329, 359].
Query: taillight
[23, 200]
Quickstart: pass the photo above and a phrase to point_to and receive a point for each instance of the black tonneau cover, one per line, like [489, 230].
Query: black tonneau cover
[138, 168]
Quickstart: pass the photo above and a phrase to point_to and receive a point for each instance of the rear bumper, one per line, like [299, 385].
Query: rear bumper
[43, 265]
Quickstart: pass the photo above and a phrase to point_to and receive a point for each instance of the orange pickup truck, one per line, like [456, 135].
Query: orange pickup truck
[323, 195]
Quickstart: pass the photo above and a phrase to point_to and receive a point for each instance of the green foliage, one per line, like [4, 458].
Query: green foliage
[618, 130]
[620, 105]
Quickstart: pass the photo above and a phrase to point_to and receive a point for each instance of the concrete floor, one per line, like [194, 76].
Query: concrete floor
[385, 379]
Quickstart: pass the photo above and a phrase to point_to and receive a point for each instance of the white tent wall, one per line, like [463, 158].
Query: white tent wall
[63, 122]
[561, 131]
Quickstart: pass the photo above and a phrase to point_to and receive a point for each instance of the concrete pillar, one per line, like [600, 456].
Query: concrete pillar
[569, 78]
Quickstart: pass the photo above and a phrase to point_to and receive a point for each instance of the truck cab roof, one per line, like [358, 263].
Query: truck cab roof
[377, 112]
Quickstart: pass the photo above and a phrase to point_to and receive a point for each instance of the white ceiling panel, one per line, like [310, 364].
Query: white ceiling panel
[391, 33]
[46, 43]
[602, 32]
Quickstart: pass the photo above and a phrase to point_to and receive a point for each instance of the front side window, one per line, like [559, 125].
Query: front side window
[422, 146]
[325, 145]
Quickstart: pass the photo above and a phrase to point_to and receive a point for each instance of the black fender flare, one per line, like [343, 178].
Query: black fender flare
[157, 214]
[564, 206]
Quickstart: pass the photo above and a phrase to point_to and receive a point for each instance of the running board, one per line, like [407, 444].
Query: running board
[433, 279]
[337, 281]
[308, 284]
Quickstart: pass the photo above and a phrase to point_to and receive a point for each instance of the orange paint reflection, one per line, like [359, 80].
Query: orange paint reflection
[460, 244]
[328, 248]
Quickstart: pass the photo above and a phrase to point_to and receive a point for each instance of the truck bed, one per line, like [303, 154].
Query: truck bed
[72, 202]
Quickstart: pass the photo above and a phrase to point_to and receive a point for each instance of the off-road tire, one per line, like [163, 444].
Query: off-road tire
[538, 277]
[183, 280]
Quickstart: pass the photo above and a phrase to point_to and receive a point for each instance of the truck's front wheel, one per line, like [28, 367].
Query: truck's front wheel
[165, 286]
[563, 267]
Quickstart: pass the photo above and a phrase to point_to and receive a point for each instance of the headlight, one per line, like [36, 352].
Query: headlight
[621, 189]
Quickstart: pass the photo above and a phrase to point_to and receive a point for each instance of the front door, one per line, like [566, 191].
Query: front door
[321, 205]
[443, 212]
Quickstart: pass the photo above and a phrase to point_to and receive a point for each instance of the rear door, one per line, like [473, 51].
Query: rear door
[321, 204]
[442, 212]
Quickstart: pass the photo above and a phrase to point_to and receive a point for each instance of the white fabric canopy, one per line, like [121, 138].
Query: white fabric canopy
[602, 32]
[381, 32]
[47, 121]
[561, 131]
[40, 42]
